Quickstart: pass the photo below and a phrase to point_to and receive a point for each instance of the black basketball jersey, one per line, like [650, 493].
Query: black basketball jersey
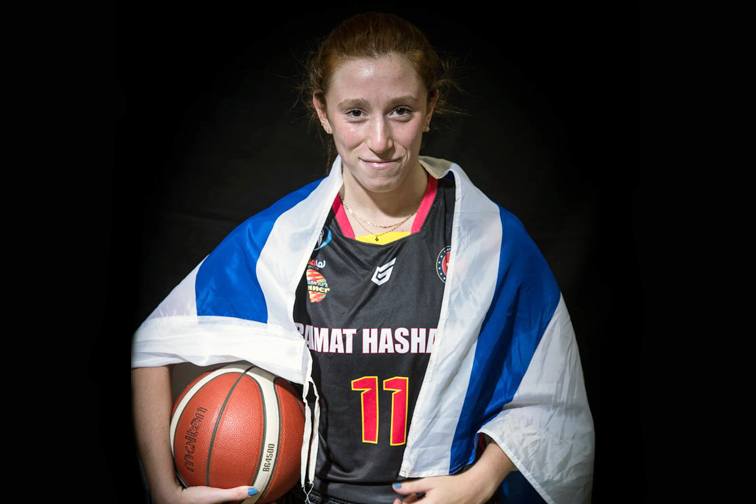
[369, 313]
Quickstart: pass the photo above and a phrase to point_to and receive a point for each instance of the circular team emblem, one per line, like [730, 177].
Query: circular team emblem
[442, 262]
[324, 239]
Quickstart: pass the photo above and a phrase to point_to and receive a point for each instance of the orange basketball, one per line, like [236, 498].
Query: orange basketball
[238, 425]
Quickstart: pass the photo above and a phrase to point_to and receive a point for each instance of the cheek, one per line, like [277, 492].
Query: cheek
[412, 131]
[349, 134]
[414, 135]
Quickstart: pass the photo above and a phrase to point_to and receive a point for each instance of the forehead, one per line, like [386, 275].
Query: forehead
[375, 79]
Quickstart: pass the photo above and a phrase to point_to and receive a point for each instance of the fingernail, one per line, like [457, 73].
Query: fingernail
[252, 491]
[397, 485]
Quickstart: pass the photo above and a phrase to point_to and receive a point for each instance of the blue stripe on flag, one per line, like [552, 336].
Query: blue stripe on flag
[226, 283]
[525, 299]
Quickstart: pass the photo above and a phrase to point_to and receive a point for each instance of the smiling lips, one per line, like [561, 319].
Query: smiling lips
[379, 164]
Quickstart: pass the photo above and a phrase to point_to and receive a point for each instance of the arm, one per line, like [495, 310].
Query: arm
[152, 415]
[490, 469]
[151, 388]
[475, 485]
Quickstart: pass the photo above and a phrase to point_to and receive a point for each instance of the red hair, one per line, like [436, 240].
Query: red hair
[372, 35]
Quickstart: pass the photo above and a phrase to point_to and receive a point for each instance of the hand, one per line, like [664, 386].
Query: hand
[456, 489]
[205, 495]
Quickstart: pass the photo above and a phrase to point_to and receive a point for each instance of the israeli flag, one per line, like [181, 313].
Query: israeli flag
[505, 360]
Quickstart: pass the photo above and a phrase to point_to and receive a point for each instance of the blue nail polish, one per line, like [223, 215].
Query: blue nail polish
[252, 491]
[397, 485]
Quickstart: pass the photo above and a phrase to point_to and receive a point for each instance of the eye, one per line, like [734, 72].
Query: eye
[349, 113]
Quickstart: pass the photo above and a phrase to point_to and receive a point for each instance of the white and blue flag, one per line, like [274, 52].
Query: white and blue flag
[505, 361]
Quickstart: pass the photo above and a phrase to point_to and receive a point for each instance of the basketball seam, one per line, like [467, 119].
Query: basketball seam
[217, 424]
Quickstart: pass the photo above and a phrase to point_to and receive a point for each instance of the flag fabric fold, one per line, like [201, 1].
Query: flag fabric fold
[505, 361]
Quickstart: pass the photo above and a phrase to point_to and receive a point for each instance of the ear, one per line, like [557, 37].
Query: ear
[434, 100]
[431, 108]
[320, 108]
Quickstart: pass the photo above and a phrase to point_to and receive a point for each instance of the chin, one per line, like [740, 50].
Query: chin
[375, 180]
[380, 185]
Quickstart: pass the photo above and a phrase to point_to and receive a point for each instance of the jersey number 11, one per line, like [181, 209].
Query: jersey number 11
[368, 387]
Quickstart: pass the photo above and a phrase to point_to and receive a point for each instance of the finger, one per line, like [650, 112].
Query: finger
[409, 487]
[406, 500]
[237, 493]
[403, 488]
[409, 499]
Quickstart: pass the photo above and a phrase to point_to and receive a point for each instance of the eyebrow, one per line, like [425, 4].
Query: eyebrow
[352, 102]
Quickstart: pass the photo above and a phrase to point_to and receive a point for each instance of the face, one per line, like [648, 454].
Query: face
[376, 110]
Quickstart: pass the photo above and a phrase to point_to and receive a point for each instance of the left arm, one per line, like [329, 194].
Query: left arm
[490, 469]
[476, 485]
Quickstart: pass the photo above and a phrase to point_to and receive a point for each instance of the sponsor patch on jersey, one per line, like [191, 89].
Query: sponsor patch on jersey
[325, 238]
[442, 262]
[317, 286]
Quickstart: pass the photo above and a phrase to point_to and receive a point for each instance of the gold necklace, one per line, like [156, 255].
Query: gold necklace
[392, 226]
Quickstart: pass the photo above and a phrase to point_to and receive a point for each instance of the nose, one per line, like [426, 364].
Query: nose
[379, 137]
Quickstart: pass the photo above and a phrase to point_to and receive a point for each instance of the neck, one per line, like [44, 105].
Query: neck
[385, 206]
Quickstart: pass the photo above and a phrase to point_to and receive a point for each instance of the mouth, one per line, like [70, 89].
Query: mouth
[379, 164]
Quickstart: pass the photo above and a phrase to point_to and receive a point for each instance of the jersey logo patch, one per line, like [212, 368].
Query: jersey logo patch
[324, 239]
[317, 286]
[383, 273]
[442, 262]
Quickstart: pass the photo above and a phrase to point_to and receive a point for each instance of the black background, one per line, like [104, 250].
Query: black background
[206, 132]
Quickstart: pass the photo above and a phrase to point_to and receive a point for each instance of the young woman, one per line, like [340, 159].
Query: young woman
[372, 295]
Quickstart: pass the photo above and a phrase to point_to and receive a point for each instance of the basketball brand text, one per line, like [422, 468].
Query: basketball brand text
[190, 438]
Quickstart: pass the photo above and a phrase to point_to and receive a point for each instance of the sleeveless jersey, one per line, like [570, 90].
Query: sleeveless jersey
[369, 313]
